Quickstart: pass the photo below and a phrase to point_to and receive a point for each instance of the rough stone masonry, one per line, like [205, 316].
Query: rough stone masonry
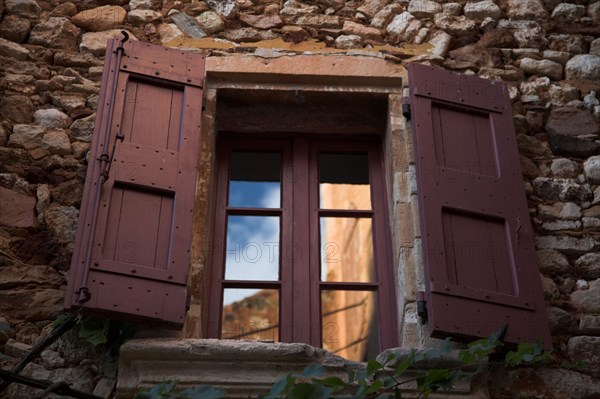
[51, 56]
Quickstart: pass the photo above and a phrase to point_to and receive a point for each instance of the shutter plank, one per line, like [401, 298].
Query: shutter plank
[119, 295]
[154, 167]
[141, 238]
[480, 274]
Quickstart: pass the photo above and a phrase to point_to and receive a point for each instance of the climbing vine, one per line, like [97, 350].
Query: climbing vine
[98, 330]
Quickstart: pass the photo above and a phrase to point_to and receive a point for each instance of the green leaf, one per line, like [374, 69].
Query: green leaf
[373, 366]
[166, 387]
[280, 385]
[436, 376]
[388, 381]
[375, 386]
[360, 392]
[332, 382]
[94, 330]
[434, 379]
[166, 390]
[157, 391]
[203, 392]
[93, 337]
[430, 353]
[302, 390]
[526, 353]
[361, 375]
[62, 319]
[321, 392]
[391, 357]
[397, 393]
[404, 365]
[351, 376]
[478, 350]
[420, 356]
[313, 370]
[445, 347]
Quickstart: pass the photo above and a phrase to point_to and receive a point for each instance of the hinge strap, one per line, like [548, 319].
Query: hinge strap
[83, 294]
[406, 108]
[421, 306]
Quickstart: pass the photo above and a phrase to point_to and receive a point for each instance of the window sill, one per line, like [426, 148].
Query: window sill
[244, 368]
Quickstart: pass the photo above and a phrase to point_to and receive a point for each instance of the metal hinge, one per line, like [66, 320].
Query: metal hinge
[406, 108]
[421, 306]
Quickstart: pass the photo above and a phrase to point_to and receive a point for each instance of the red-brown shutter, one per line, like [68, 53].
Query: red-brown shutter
[132, 251]
[480, 263]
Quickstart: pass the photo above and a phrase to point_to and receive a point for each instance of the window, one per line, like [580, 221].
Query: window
[135, 257]
[302, 245]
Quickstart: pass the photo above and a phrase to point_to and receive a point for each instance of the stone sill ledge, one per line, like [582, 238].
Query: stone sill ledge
[244, 368]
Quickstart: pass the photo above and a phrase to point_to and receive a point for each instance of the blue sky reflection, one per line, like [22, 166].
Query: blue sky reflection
[252, 251]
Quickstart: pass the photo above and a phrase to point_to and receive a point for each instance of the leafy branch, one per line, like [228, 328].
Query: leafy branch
[97, 330]
[387, 378]
[167, 390]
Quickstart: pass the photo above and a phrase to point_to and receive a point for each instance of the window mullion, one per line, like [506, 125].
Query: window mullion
[299, 247]
[286, 250]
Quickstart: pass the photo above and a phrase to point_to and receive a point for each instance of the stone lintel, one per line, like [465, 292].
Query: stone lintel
[307, 69]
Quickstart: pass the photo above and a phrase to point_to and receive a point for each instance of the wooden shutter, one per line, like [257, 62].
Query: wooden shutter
[480, 263]
[133, 240]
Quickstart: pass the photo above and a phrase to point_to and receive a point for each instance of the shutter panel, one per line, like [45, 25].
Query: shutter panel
[480, 263]
[133, 240]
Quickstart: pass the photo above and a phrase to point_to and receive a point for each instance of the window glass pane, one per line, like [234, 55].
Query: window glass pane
[250, 314]
[346, 249]
[344, 181]
[252, 251]
[349, 324]
[255, 179]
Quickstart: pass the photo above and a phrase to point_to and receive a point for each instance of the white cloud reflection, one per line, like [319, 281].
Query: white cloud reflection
[252, 251]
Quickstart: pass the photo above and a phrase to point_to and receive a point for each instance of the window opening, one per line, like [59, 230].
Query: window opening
[296, 256]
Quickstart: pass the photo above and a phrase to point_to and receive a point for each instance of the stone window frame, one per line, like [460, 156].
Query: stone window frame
[345, 77]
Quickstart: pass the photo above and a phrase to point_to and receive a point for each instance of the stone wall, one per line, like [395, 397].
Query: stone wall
[51, 61]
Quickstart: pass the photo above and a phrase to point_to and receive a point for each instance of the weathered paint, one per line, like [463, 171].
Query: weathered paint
[480, 262]
[141, 239]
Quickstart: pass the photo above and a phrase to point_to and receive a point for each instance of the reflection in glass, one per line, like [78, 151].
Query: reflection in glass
[255, 179]
[250, 314]
[346, 249]
[252, 251]
[344, 181]
[349, 324]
